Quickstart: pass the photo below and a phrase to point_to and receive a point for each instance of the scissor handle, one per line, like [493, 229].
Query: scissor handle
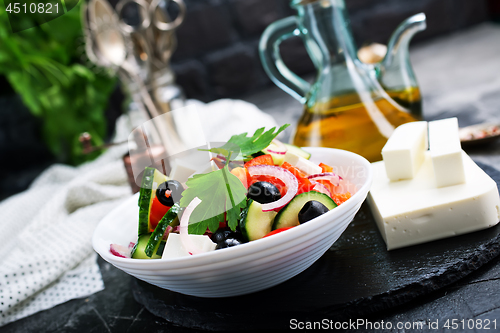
[167, 26]
[146, 22]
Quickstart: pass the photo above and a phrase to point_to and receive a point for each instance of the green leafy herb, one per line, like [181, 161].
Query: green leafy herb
[243, 146]
[46, 66]
[220, 192]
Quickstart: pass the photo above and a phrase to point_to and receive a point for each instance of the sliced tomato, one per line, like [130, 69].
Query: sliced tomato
[340, 198]
[325, 168]
[305, 184]
[259, 160]
[295, 171]
[243, 175]
[277, 231]
[158, 210]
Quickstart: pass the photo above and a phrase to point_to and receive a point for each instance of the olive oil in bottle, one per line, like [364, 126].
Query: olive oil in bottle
[340, 123]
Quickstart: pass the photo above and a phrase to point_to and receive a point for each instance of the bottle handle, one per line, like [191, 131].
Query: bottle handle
[272, 62]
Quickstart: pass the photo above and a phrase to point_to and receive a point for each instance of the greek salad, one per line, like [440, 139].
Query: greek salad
[262, 187]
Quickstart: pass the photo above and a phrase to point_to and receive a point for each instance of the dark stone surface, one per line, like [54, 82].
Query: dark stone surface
[354, 5]
[232, 70]
[356, 278]
[295, 56]
[204, 29]
[378, 23]
[22, 151]
[470, 12]
[192, 76]
[253, 16]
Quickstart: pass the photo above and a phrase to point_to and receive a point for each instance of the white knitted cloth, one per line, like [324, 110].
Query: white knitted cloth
[45, 232]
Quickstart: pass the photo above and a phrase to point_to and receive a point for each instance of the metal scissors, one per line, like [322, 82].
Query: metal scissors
[154, 34]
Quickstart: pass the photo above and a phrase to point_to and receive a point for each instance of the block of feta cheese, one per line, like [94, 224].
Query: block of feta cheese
[301, 163]
[174, 248]
[446, 152]
[182, 169]
[403, 153]
[415, 211]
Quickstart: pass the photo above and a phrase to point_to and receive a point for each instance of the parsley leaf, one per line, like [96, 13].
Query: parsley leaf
[220, 192]
[244, 146]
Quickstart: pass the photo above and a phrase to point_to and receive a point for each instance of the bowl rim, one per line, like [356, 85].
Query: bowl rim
[250, 248]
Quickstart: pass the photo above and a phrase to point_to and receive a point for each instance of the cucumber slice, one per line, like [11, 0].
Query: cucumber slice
[159, 252]
[255, 223]
[157, 235]
[138, 251]
[298, 151]
[278, 159]
[150, 180]
[289, 215]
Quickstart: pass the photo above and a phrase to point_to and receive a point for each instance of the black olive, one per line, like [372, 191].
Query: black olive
[227, 238]
[223, 234]
[174, 187]
[263, 192]
[311, 210]
[228, 242]
[220, 235]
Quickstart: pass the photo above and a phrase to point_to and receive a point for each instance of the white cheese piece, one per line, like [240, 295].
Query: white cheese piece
[446, 152]
[414, 211]
[404, 151]
[208, 167]
[302, 164]
[181, 170]
[174, 248]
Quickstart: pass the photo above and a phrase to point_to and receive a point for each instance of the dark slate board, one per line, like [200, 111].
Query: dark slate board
[355, 278]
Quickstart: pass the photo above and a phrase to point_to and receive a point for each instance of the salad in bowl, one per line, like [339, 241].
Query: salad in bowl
[265, 213]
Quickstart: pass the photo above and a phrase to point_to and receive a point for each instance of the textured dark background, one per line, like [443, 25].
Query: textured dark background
[217, 57]
[217, 43]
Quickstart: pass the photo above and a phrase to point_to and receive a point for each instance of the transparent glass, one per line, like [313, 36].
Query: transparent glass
[351, 105]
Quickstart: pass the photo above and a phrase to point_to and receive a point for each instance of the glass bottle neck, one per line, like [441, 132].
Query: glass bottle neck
[326, 28]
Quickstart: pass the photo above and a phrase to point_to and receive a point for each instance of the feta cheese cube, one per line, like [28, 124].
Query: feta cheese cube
[302, 164]
[404, 151]
[446, 152]
[174, 248]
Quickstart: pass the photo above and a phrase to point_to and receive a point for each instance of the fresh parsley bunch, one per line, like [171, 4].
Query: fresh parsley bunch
[44, 66]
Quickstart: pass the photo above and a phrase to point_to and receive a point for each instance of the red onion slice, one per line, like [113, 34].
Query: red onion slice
[276, 147]
[222, 157]
[187, 243]
[285, 176]
[167, 231]
[120, 250]
[275, 152]
[330, 176]
[318, 187]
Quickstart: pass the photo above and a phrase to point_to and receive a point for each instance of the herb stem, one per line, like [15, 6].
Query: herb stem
[227, 184]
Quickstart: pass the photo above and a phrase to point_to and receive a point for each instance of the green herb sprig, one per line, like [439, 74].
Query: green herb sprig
[241, 146]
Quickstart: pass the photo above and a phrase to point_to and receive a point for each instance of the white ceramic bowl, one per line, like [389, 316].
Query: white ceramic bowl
[249, 267]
